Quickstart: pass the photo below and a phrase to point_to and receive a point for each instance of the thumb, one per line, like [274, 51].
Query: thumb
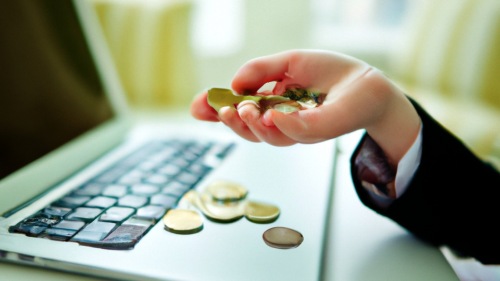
[312, 125]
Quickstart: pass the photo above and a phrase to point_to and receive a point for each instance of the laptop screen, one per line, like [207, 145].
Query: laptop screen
[50, 91]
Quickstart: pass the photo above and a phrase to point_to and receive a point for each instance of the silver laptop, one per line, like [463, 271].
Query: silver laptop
[69, 153]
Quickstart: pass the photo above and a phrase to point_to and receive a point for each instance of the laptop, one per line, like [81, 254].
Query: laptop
[70, 151]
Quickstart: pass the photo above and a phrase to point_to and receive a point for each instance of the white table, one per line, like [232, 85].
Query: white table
[361, 244]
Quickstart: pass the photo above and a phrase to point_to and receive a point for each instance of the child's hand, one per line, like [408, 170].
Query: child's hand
[358, 96]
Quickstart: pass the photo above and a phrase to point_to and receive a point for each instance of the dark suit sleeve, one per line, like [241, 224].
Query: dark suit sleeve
[453, 198]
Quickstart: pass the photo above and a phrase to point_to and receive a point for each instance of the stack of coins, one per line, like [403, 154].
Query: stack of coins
[293, 99]
[225, 202]
[222, 201]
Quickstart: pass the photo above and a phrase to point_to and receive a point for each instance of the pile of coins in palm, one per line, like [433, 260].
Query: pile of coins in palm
[222, 202]
[293, 99]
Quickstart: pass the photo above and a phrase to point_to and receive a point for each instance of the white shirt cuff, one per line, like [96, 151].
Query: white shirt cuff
[408, 165]
[406, 169]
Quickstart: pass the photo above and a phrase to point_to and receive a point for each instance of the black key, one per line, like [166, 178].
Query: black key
[64, 230]
[115, 190]
[169, 169]
[111, 175]
[187, 178]
[134, 201]
[198, 169]
[133, 177]
[41, 218]
[180, 162]
[124, 237]
[150, 212]
[175, 188]
[67, 224]
[101, 202]
[116, 214]
[94, 232]
[55, 211]
[85, 214]
[163, 200]
[144, 189]
[91, 189]
[147, 166]
[157, 179]
[71, 201]
[59, 234]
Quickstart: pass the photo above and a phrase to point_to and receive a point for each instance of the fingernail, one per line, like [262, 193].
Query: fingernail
[249, 111]
[248, 102]
[224, 109]
[267, 118]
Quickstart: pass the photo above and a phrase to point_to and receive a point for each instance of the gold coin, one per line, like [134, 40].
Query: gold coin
[183, 221]
[220, 97]
[282, 238]
[226, 191]
[222, 211]
[286, 108]
[215, 211]
[261, 212]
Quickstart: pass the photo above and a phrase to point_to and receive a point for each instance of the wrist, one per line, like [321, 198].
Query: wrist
[396, 130]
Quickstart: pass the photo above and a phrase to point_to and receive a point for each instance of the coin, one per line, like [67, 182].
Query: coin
[226, 191]
[219, 212]
[222, 211]
[286, 108]
[261, 212]
[282, 238]
[218, 98]
[183, 221]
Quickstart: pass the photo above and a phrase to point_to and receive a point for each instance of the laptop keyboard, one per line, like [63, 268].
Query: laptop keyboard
[115, 209]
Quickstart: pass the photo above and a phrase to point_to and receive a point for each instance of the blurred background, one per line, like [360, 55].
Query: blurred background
[444, 54]
[165, 46]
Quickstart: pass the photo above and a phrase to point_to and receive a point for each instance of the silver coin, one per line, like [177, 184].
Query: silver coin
[282, 238]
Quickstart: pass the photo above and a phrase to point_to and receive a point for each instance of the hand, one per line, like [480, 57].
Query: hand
[358, 97]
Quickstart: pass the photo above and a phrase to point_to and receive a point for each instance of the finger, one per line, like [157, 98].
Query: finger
[229, 116]
[201, 110]
[304, 68]
[250, 114]
[306, 126]
[270, 135]
[255, 73]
